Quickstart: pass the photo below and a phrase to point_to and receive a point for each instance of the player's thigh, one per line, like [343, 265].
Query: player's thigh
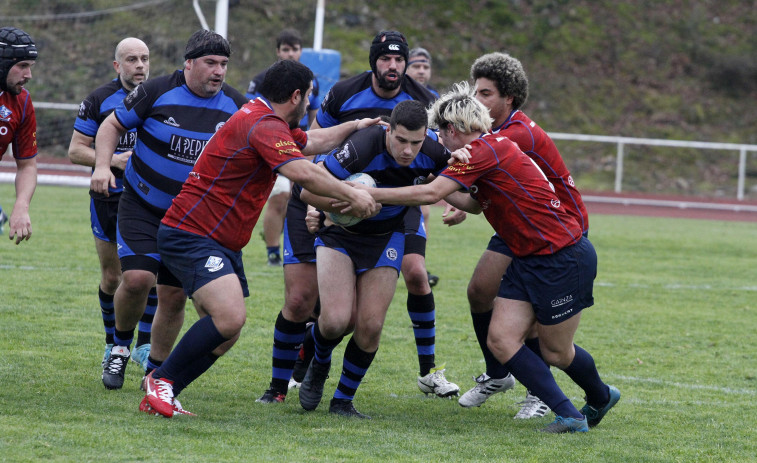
[510, 324]
[300, 290]
[375, 289]
[486, 278]
[336, 286]
[223, 299]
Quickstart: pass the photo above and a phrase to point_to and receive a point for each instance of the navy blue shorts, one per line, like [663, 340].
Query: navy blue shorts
[558, 285]
[415, 232]
[197, 260]
[298, 241]
[365, 251]
[498, 245]
[103, 216]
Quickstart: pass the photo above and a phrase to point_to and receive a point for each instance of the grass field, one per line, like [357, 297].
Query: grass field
[673, 328]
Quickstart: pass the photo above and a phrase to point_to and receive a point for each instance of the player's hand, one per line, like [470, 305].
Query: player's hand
[367, 122]
[460, 155]
[315, 220]
[101, 180]
[453, 216]
[20, 226]
[119, 160]
[362, 205]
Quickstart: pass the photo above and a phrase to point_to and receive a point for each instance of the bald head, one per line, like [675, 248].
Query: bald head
[132, 62]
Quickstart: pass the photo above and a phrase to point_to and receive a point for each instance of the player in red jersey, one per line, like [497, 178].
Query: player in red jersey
[18, 124]
[502, 86]
[550, 279]
[210, 221]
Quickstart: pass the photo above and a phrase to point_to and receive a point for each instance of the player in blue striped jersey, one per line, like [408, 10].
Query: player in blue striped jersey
[358, 265]
[132, 64]
[175, 116]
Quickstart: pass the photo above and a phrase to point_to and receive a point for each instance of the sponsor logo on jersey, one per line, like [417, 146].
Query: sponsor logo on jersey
[83, 108]
[555, 203]
[185, 149]
[126, 142]
[570, 181]
[214, 264]
[219, 125]
[171, 121]
[134, 97]
[419, 180]
[391, 254]
[5, 114]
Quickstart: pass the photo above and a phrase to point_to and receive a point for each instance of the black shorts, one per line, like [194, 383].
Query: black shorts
[137, 239]
[415, 232]
[298, 241]
[366, 251]
[103, 215]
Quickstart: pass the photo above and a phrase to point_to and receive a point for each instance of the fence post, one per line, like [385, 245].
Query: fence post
[619, 168]
[742, 175]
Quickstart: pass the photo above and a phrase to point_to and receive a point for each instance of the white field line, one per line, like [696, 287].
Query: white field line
[675, 384]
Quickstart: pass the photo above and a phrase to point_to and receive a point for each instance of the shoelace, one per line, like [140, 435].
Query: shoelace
[165, 391]
[114, 364]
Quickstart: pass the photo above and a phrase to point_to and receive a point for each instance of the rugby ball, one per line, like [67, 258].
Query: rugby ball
[346, 220]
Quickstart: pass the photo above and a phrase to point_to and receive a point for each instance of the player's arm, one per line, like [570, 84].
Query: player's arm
[317, 180]
[322, 140]
[464, 202]
[26, 183]
[322, 203]
[106, 142]
[80, 151]
[416, 195]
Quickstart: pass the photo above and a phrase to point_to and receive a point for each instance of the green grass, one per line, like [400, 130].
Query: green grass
[672, 328]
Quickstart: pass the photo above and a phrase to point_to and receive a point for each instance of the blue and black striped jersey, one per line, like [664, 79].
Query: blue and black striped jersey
[173, 125]
[92, 112]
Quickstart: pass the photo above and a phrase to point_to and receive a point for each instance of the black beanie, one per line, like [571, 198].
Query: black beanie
[387, 43]
[15, 45]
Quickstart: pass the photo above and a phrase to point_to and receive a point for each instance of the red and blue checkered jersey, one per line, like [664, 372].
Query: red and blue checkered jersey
[230, 183]
[516, 197]
[534, 141]
[18, 125]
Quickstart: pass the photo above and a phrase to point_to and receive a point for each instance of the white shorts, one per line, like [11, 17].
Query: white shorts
[282, 185]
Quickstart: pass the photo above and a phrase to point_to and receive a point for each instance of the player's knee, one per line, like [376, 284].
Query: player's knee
[556, 357]
[416, 279]
[298, 306]
[137, 283]
[480, 297]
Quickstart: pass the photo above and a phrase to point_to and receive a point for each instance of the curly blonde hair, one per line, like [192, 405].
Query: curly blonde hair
[460, 109]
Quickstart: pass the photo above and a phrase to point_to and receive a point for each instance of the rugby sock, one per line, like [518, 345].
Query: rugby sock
[145, 323]
[583, 372]
[323, 346]
[152, 364]
[533, 373]
[287, 339]
[481, 321]
[423, 316]
[273, 250]
[108, 314]
[199, 340]
[533, 344]
[193, 371]
[354, 366]
[123, 338]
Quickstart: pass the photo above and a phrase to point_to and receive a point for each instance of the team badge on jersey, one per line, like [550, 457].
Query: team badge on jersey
[5, 113]
[214, 264]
